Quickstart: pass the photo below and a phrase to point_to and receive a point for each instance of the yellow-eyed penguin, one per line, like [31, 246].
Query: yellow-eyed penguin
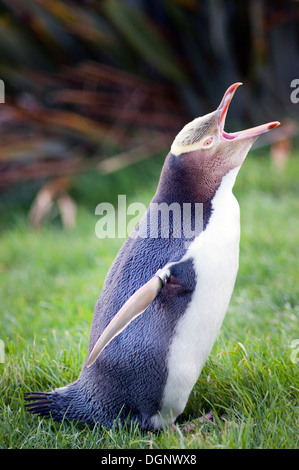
[167, 291]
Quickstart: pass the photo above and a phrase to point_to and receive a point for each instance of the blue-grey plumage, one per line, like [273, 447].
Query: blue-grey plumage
[147, 366]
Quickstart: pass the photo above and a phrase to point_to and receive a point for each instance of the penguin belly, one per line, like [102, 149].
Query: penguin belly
[215, 255]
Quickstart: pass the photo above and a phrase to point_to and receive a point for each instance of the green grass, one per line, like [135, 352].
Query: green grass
[50, 281]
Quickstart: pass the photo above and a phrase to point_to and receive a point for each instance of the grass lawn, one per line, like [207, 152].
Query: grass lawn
[50, 281]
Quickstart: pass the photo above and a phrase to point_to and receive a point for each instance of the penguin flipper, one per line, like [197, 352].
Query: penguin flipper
[134, 306]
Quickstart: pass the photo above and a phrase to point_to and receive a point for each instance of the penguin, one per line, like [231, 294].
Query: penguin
[167, 291]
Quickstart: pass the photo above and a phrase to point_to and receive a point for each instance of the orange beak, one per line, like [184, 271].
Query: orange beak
[246, 134]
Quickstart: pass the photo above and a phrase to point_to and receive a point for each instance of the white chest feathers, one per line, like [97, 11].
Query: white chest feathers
[216, 258]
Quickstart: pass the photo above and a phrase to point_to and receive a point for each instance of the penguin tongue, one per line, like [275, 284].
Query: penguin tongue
[246, 134]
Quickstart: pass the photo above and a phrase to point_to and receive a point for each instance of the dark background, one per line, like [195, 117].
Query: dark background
[89, 80]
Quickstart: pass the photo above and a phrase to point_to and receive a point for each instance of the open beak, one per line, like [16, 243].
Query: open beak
[246, 134]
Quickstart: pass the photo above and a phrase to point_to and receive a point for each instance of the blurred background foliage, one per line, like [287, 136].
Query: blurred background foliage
[100, 84]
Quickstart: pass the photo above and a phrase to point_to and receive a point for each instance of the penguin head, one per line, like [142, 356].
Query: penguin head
[203, 149]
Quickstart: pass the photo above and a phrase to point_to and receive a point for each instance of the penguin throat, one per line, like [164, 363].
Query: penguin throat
[185, 184]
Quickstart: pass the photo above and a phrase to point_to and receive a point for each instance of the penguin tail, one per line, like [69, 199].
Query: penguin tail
[65, 402]
[41, 403]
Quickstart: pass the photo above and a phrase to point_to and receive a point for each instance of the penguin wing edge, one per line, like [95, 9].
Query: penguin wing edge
[134, 307]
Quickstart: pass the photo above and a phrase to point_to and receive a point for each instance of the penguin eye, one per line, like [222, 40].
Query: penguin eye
[208, 142]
